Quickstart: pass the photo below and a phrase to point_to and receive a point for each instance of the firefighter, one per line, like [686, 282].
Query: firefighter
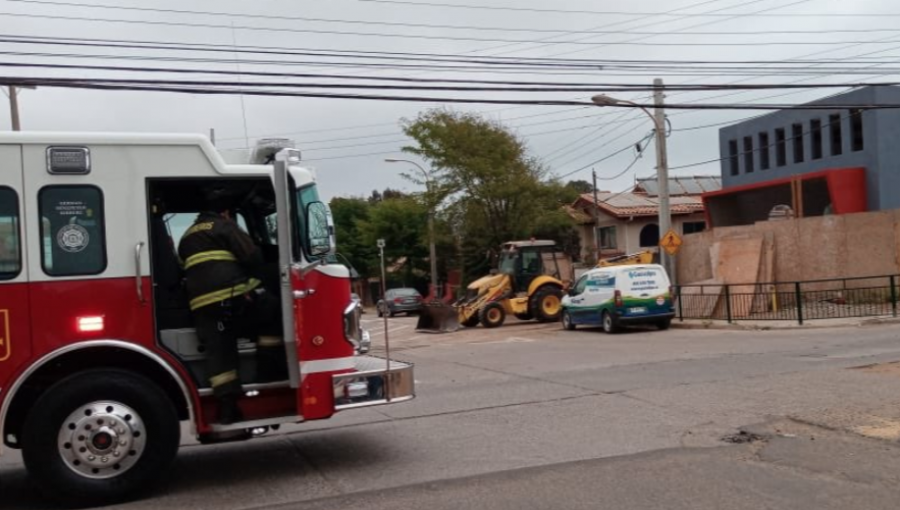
[220, 261]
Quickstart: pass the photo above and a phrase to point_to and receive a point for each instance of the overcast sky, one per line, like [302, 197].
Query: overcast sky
[321, 127]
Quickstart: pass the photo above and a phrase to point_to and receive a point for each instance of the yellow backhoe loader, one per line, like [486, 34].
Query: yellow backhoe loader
[642, 257]
[529, 283]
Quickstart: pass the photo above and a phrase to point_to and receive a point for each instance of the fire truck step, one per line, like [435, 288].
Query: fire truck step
[268, 422]
[248, 388]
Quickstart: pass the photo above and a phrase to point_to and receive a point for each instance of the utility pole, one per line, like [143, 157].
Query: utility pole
[594, 214]
[662, 174]
[14, 108]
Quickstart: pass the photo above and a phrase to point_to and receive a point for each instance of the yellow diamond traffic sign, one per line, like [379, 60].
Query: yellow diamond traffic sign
[671, 242]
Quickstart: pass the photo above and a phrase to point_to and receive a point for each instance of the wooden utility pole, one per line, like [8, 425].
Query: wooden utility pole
[594, 214]
[14, 108]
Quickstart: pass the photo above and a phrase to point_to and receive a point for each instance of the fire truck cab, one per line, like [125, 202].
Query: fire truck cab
[100, 364]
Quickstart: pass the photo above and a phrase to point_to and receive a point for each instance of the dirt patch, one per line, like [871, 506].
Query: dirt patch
[880, 429]
[882, 368]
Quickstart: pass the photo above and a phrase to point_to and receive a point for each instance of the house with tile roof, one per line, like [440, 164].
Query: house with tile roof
[628, 221]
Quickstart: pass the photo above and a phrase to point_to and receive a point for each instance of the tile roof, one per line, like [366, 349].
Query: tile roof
[624, 205]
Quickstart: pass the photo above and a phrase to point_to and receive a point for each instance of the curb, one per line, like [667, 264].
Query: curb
[779, 326]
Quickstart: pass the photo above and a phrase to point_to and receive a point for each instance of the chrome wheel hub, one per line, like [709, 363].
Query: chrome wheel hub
[102, 440]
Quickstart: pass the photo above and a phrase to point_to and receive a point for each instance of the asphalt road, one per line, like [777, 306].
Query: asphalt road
[529, 416]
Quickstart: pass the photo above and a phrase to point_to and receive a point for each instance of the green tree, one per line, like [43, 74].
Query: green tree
[402, 223]
[348, 213]
[580, 186]
[490, 189]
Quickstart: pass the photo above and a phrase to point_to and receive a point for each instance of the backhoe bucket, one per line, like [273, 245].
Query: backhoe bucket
[437, 317]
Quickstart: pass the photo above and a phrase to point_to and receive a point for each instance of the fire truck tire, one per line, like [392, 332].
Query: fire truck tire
[99, 437]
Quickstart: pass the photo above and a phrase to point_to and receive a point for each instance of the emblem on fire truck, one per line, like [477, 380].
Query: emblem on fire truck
[73, 238]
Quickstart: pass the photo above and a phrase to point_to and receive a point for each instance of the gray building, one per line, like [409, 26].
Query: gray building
[779, 146]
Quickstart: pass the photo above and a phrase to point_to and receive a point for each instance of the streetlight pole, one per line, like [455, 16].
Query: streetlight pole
[662, 161]
[431, 247]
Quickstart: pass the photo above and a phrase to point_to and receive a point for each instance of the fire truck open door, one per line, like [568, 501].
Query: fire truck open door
[283, 199]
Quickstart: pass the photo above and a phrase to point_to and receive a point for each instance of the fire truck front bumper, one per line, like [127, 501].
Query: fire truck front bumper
[374, 383]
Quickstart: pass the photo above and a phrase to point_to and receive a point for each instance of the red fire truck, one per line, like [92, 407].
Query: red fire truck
[99, 360]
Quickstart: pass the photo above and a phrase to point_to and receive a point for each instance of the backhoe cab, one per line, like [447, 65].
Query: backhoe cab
[528, 283]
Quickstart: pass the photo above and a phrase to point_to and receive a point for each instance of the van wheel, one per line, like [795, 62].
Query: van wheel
[609, 323]
[546, 303]
[664, 324]
[99, 437]
[567, 321]
[492, 315]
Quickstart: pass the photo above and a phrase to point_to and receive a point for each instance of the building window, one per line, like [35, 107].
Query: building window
[797, 137]
[837, 140]
[650, 236]
[607, 237]
[733, 157]
[748, 154]
[780, 148]
[72, 230]
[815, 128]
[764, 151]
[856, 130]
[692, 227]
[10, 251]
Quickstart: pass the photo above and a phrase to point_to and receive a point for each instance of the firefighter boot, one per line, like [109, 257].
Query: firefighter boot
[271, 360]
[229, 411]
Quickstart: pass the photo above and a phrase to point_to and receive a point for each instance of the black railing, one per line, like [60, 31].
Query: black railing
[795, 301]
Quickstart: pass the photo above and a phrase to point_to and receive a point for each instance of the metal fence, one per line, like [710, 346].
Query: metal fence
[796, 301]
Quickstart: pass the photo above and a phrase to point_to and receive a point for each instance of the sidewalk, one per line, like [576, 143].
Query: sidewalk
[752, 325]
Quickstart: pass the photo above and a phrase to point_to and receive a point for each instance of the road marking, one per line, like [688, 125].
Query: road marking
[510, 340]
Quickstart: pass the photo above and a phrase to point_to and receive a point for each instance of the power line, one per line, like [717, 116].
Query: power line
[413, 36]
[283, 18]
[622, 13]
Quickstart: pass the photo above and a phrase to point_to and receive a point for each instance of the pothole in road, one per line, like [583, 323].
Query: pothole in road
[743, 437]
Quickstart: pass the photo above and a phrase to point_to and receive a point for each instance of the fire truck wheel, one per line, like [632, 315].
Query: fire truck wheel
[100, 436]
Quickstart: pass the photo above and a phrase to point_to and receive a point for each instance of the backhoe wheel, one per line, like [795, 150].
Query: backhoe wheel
[546, 303]
[99, 437]
[471, 322]
[492, 315]
[567, 321]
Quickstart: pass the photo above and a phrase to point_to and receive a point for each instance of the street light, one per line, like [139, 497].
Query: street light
[662, 168]
[431, 247]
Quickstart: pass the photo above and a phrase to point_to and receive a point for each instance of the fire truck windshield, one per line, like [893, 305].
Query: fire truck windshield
[305, 196]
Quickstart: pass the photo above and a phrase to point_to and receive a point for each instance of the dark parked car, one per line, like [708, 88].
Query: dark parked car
[400, 301]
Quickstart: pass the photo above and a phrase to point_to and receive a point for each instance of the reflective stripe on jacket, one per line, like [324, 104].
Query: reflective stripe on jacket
[220, 260]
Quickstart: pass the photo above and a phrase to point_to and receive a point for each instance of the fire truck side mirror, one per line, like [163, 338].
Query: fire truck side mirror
[320, 241]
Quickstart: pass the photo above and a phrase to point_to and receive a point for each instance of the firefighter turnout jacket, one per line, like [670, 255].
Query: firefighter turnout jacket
[220, 260]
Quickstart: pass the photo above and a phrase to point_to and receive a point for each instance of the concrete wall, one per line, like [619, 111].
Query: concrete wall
[827, 247]
[880, 155]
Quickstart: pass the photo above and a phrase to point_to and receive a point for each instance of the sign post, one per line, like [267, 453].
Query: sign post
[384, 314]
[671, 243]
